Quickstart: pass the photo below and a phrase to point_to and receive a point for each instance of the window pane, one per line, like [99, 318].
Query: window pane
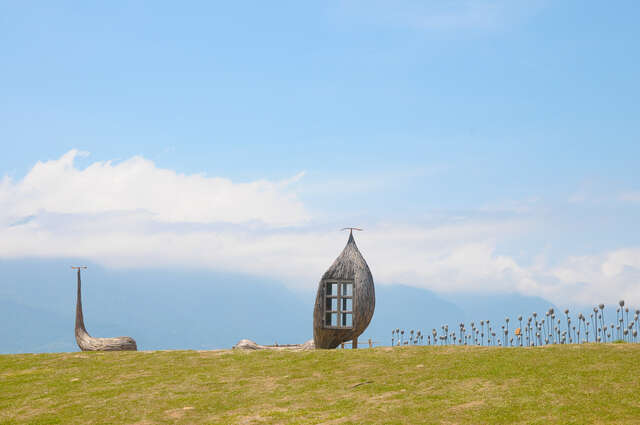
[347, 304]
[334, 319]
[334, 304]
[347, 320]
[347, 289]
[327, 319]
[331, 288]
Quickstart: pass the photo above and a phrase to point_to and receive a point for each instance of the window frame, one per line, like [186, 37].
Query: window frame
[339, 297]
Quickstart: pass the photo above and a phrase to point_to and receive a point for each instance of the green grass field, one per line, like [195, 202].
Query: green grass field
[557, 384]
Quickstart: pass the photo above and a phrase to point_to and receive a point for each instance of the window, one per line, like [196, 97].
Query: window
[338, 306]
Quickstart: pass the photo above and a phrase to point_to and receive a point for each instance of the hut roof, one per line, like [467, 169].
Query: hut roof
[349, 263]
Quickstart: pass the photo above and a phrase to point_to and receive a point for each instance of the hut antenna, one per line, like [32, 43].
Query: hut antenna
[351, 229]
[79, 268]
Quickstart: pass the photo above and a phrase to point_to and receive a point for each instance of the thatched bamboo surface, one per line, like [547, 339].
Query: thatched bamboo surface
[88, 343]
[349, 266]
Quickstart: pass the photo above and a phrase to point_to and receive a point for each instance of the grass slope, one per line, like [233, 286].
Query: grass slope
[558, 384]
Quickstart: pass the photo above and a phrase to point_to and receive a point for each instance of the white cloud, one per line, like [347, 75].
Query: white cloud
[457, 256]
[134, 214]
[607, 277]
[137, 184]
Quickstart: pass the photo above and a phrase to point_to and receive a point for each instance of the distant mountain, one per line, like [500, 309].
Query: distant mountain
[405, 307]
[497, 307]
[180, 309]
[25, 329]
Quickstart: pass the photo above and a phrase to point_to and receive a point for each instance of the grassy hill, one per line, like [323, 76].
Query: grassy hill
[557, 384]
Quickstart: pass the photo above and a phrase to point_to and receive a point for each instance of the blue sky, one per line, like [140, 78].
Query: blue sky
[488, 144]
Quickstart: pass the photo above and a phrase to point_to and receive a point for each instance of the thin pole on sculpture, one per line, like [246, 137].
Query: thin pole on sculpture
[79, 315]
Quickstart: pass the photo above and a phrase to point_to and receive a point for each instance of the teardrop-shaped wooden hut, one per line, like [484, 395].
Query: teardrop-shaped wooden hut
[345, 300]
[88, 343]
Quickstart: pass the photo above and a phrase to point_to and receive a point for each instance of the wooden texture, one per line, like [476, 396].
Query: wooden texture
[247, 344]
[349, 266]
[88, 343]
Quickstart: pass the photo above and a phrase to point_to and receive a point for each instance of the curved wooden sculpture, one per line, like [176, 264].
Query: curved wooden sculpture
[345, 299]
[88, 343]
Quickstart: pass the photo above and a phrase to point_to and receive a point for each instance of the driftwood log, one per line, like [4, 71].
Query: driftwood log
[354, 309]
[88, 343]
[247, 344]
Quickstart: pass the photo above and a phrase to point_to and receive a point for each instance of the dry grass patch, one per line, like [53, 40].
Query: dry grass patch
[468, 405]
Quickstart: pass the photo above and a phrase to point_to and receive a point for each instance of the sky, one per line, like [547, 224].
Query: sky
[484, 146]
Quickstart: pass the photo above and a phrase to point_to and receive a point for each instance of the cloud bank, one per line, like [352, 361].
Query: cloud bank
[138, 185]
[134, 214]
